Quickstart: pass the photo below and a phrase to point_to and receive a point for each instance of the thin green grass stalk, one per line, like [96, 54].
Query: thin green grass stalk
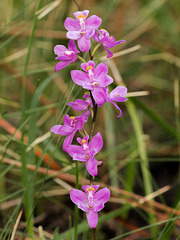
[76, 212]
[110, 141]
[25, 173]
[161, 122]
[146, 227]
[143, 155]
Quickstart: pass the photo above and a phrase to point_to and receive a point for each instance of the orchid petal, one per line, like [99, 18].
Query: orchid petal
[93, 22]
[108, 41]
[116, 106]
[118, 42]
[67, 141]
[59, 49]
[102, 195]
[84, 44]
[72, 24]
[110, 54]
[74, 149]
[105, 81]
[117, 93]
[85, 65]
[92, 218]
[79, 77]
[79, 198]
[92, 167]
[90, 33]
[62, 130]
[100, 70]
[98, 95]
[73, 35]
[78, 13]
[67, 120]
[61, 65]
[72, 46]
[96, 143]
[80, 123]
[96, 37]
[90, 186]
[79, 105]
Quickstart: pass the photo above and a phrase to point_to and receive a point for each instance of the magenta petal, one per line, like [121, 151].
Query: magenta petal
[116, 106]
[72, 46]
[72, 24]
[98, 95]
[67, 141]
[102, 195]
[92, 167]
[119, 91]
[96, 143]
[62, 130]
[90, 33]
[79, 198]
[108, 41]
[84, 44]
[100, 70]
[67, 120]
[73, 35]
[80, 157]
[79, 105]
[118, 42]
[61, 65]
[92, 186]
[93, 22]
[110, 54]
[85, 65]
[80, 123]
[105, 81]
[92, 218]
[78, 13]
[79, 77]
[59, 49]
[74, 149]
[96, 37]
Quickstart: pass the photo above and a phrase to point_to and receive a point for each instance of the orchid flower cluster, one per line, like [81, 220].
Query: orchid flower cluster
[94, 78]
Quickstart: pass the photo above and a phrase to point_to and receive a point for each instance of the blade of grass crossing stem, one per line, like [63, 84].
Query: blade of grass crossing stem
[143, 155]
[76, 212]
[25, 173]
[110, 141]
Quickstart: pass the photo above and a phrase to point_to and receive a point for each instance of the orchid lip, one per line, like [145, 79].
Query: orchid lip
[95, 84]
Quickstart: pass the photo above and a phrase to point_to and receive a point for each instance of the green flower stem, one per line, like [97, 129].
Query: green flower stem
[96, 47]
[81, 59]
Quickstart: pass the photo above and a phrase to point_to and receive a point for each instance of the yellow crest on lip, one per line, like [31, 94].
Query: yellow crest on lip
[90, 189]
[102, 29]
[83, 141]
[89, 67]
[81, 16]
[72, 117]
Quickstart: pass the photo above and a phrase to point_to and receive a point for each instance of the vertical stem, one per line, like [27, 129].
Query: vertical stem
[76, 218]
[94, 233]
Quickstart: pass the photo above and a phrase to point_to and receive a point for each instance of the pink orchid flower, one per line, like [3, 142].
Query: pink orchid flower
[71, 126]
[90, 201]
[94, 79]
[82, 29]
[107, 40]
[86, 152]
[66, 56]
[81, 105]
